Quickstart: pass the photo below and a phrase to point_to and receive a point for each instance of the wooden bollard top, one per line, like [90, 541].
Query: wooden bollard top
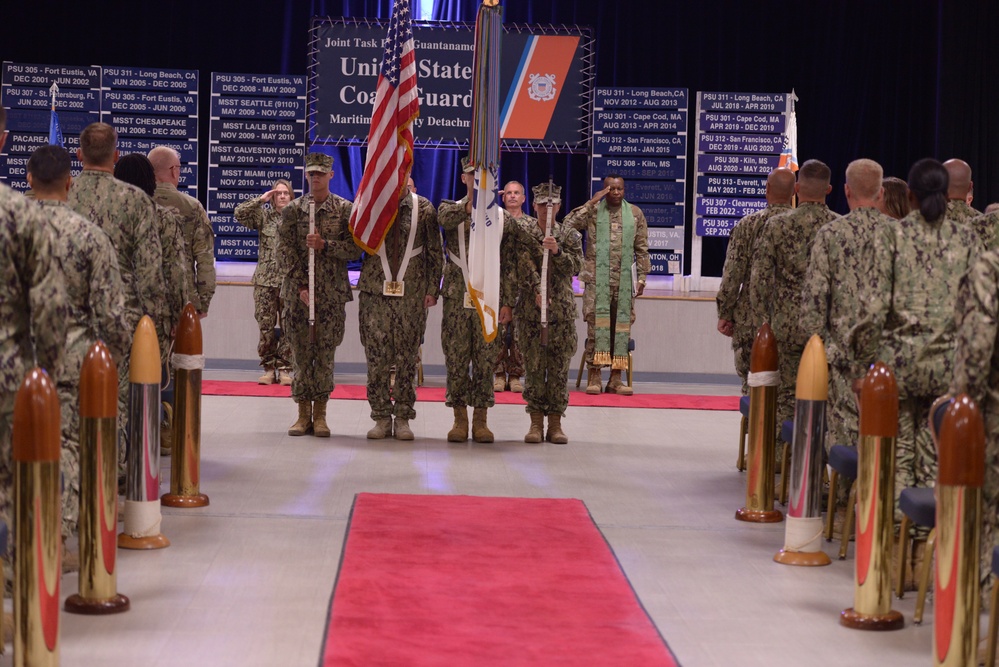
[813, 372]
[36, 419]
[879, 403]
[961, 446]
[144, 361]
[188, 339]
[764, 354]
[98, 383]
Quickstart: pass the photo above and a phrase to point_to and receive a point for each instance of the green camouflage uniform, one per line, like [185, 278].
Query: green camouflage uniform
[461, 328]
[985, 225]
[584, 219]
[959, 211]
[95, 298]
[314, 362]
[200, 242]
[274, 351]
[509, 360]
[777, 277]
[32, 323]
[733, 293]
[392, 327]
[976, 373]
[833, 298]
[910, 327]
[176, 272]
[546, 385]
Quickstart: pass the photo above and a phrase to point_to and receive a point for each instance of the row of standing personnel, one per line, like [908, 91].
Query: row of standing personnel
[413, 269]
[84, 262]
[910, 277]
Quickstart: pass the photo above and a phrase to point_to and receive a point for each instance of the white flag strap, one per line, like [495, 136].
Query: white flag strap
[410, 251]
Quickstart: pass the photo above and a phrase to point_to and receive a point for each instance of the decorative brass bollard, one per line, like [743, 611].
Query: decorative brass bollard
[763, 381]
[98, 585]
[875, 505]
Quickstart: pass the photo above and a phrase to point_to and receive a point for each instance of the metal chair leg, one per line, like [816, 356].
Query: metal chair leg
[631, 363]
[851, 510]
[785, 471]
[924, 577]
[582, 365]
[903, 555]
[740, 463]
[831, 507]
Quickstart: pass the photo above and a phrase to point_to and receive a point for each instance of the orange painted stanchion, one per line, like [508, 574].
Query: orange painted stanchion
[875, 504]
[37, 523]
[98, 586]
[803, 533]
[960, 477]
[763, 381]
[185, 468]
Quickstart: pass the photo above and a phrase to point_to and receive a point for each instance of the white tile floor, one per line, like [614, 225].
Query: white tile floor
[247, 580]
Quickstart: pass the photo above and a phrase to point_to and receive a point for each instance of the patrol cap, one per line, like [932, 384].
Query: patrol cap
[466, 165]
[318, 162]
[543, 196]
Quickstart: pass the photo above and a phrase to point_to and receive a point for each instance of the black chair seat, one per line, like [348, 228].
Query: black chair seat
[920, 505]
[787, 431]
[843, 460]
[744, 406]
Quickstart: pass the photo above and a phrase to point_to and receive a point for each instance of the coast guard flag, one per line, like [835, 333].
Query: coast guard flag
[789, 156]
[55, 132]
[390, 140]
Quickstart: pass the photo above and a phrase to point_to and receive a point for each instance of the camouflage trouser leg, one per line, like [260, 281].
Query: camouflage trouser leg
[7, 493]
[314, 363]
[465, 350]
[69, 454]
[915, 455]
[990, 516]
[274, 352]
[391, 330]
[546, 387]
[509, 361]
[789, 357]
[842, 411]
[590, 316]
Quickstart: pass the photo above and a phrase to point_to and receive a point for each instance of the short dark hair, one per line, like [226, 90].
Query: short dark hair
[98, 142]
[135, 168]
[49, 166]
[610, 176]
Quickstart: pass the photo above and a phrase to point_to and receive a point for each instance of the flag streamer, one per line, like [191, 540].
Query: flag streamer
[55, 131]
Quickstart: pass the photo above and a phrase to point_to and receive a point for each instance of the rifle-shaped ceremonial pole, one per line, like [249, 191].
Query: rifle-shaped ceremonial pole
[312, 272]
[544, 266]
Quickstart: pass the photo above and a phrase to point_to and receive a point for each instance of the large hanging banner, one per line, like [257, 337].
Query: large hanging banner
[546, 75]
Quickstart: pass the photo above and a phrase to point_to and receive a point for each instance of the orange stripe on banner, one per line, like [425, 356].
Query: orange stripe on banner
[532, 112]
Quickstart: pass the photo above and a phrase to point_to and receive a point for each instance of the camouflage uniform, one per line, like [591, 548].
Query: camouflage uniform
[777, 276]
[96, 311]
[176, 272]
[976, 372]
[985, 225]
[392, 327]
[833, 298]
[509, 360]
[461, 328]
[200, 242]
[314, 362]
[274, 351]
[32, 322]
[960, 212]
[546, 386]
[584, 219]
[733, 293]
[910, 327]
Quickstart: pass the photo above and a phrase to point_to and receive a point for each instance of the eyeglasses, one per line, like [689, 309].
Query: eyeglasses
[175, 166]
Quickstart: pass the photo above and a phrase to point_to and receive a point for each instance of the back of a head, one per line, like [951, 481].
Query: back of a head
[136, 169]
[162, 158]
[98, 142]
[780, 186]
[49, 167]
[959, 176]
[896, 199]
[864, 178]
[992, 208]
[813, 180]
[928, 183]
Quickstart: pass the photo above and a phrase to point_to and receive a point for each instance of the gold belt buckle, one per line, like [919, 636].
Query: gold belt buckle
[394, 288]
[468, 301]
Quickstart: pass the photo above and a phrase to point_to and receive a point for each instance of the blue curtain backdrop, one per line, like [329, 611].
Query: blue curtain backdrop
[893, 80]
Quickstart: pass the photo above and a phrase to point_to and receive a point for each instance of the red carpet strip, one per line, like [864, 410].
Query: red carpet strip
[576, 398]
[462, 580]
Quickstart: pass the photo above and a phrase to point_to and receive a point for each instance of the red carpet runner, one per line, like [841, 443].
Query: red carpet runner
[462, 580]
[577, 398]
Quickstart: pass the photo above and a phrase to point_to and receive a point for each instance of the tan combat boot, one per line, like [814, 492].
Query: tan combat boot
[70, 559]
[381, 429]
[267, 377]
[515, 385]
[615, 386]
[285, 378]
[320, 428]
[555, 434]
[480, 432]
[459, 432]
[402, 430]
[593, 381]
[304, 424]
[537, 430]
[499, 382]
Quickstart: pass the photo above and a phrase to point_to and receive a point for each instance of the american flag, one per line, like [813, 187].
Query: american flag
[390, 140]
